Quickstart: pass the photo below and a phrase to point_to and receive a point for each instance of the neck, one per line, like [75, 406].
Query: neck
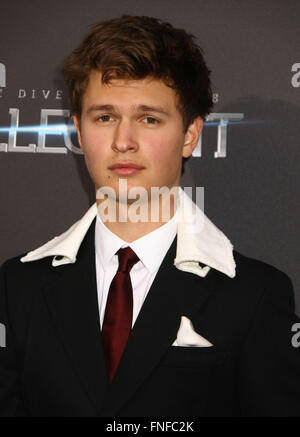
[134, 219]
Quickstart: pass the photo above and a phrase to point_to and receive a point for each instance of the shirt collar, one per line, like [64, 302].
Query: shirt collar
[198, 241]
[151, 248]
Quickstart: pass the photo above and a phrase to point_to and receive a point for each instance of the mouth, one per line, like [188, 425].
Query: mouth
[126, 168]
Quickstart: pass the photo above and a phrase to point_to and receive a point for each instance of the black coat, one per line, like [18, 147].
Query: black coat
[53, 363]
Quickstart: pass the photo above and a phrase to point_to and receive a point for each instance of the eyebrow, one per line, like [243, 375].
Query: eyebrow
[137, 108]
[158, 109]
[94, 108]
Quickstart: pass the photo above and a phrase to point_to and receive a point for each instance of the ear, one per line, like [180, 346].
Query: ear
[191, 137]
[77, 125]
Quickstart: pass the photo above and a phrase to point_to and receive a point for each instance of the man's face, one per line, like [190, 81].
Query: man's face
[134, 121]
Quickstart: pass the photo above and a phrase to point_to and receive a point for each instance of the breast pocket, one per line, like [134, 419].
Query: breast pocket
[182, 380]
[193, 357]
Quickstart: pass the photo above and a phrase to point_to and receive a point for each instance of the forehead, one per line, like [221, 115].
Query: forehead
[148, 91]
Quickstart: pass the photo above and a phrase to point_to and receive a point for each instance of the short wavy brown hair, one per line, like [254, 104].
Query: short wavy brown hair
[134, 47]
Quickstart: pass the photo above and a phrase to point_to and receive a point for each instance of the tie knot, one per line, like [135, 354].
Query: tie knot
[127, 259]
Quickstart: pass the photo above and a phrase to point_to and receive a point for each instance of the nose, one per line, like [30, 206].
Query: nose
[124, 137]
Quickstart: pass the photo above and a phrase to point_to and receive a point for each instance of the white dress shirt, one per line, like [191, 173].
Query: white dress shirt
[151, 250]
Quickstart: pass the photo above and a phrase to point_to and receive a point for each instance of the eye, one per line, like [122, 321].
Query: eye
[104, 118]
[151, 120]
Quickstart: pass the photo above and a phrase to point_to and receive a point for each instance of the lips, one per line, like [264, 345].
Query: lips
[126, 165]
[126, 168]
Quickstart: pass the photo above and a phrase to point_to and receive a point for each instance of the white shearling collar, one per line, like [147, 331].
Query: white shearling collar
[205, 243]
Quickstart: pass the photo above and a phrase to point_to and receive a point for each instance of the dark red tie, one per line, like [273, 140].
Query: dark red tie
[118, 312]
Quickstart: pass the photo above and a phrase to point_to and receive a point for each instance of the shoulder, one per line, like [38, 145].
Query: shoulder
[258, 281]
[254, 282]
[21, 286]
[19, 281]
[258, 272]
[15, 268]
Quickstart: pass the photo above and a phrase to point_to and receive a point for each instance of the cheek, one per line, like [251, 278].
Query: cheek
[165, 151]
[93, 144]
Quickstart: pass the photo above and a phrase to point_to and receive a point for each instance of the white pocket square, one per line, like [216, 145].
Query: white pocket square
[186, 336]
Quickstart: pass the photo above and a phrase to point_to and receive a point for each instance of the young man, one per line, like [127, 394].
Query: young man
[157, 317]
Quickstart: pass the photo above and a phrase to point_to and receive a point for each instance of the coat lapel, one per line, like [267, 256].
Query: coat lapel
[73, 303]
[173, 293]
